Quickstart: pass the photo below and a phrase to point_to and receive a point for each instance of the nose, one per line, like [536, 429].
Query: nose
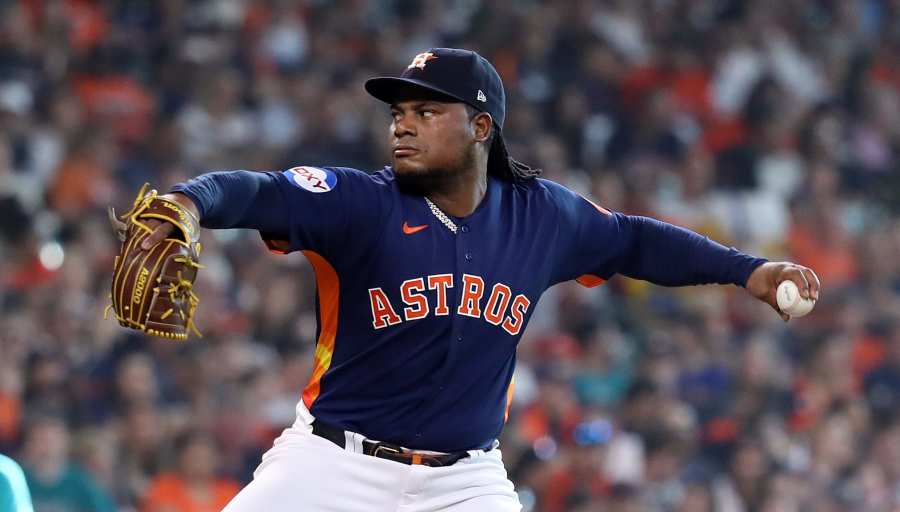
[402, 125]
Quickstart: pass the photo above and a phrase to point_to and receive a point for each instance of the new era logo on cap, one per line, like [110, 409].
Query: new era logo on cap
[481, 97]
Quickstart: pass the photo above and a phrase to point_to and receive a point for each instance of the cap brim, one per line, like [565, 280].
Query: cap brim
[387, 88]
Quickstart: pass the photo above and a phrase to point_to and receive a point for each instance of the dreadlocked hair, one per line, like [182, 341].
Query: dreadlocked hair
[500, 164]
[505, 167]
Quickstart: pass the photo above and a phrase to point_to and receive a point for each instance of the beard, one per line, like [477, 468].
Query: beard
[436, 179]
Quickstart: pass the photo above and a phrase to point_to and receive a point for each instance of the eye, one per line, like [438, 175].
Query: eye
[395, 114]
[427, 112]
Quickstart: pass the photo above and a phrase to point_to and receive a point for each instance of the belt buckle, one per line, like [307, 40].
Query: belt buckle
[387, 449]
[411, 458]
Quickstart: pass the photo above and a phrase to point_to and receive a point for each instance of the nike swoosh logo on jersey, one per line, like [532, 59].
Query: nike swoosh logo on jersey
[407, 230]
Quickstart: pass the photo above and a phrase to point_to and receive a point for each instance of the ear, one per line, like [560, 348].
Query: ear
[482, 124]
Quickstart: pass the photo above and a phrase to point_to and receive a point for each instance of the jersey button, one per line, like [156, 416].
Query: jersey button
[459, 338]
[464, 229]
[468, 256]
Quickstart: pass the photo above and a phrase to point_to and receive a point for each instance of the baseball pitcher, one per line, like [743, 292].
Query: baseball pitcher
[427, 273]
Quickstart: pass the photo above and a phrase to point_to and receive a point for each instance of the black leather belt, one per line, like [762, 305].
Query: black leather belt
[386, 450]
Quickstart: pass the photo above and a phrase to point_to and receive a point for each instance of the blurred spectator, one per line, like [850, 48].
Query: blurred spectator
[56, 482]
[14, 495]
[193, 486]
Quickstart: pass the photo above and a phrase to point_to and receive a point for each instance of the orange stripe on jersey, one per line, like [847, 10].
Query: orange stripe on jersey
[509, 395]
[589, 280]
[328, 286]
[599, 208]
[277, 246]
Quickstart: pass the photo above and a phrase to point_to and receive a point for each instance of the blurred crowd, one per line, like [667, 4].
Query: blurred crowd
[771, 125]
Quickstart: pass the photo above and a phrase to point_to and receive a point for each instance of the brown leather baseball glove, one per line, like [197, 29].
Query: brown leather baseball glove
[152, 289]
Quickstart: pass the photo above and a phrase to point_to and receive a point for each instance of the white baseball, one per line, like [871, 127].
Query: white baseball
[790, 301]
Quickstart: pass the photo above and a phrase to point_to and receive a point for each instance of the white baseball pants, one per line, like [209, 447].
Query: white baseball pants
[304, 472]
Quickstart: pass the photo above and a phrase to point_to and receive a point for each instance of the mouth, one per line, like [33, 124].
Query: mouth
[402, 151]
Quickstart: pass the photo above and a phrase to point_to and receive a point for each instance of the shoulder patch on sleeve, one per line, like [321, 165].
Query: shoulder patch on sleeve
[312, 179]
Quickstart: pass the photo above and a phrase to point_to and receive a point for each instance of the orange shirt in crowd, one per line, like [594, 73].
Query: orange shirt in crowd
[122, 102]
[169, 493]
[10, 416]
[563, 484]
[75, 186]
[830, 254]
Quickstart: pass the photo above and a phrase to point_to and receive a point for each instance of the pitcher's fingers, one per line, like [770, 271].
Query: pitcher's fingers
[795, 274]
[814, 284]
[160, 232]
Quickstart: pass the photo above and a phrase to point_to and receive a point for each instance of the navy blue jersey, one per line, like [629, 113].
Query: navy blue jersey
[418, 325]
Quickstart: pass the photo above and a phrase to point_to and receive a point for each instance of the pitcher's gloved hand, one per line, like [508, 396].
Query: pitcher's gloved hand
[152, 284]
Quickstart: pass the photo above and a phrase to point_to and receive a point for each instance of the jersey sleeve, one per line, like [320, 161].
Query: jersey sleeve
[301, 208]
[585, 229]
[325, 206]
[598, 243]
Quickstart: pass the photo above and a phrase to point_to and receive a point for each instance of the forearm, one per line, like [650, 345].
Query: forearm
[672, 256]
[236, 199]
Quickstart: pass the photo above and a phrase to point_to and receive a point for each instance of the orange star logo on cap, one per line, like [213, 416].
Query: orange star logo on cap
[420, 60]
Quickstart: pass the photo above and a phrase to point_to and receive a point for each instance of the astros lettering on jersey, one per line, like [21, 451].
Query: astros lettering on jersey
[496, 312]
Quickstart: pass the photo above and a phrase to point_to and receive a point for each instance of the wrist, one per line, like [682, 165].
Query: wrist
[185, 201]
[755, 265]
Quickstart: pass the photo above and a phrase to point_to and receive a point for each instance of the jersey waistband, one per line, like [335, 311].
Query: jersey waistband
[355, 442]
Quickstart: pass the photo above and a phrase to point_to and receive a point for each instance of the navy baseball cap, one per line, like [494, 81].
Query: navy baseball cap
[460, 74]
